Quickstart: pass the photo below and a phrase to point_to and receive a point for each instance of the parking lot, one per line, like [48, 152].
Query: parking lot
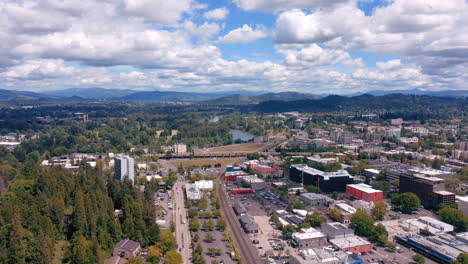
[164, 215]
[380, 255]
[218, 240]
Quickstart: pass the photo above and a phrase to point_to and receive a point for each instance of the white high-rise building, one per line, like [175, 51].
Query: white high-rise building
[124, 167]
[179, 148]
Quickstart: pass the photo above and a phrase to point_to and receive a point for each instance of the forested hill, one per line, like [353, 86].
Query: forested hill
[386, 103]
[50, 215]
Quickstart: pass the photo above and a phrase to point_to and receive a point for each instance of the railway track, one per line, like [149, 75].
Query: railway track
[248, 253]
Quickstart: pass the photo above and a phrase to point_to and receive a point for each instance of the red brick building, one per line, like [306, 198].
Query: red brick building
[242, 191]
[264, 171]
[364, 192]
[232, 175]
[354, 244]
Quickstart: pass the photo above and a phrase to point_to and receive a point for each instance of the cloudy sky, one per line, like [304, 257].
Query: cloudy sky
[315, 46]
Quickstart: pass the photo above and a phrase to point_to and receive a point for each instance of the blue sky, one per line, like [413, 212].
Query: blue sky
[339, 46]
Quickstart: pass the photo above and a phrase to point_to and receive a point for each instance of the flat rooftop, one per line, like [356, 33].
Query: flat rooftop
[432, 179]
[445, 244]
[307, 235]
[364, 187]
[444, 193]
[348, 242]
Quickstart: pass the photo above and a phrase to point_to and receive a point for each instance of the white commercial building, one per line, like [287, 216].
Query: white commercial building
[430, 224]
[124, 168]
[309, 238]
[179, 148]
[255, 183]
[192, 191]
[317, 256]
[204, 185]
[462, 202]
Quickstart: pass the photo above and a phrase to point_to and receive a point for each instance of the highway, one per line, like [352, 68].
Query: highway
[248, 252]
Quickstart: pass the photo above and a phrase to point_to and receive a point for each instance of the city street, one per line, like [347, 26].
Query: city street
[182, 231]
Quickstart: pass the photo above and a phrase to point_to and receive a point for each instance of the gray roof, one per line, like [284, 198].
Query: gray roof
[128, 245]
[248, 222]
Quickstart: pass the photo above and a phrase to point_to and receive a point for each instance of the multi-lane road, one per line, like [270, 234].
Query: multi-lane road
[179, 215]
[180, 220]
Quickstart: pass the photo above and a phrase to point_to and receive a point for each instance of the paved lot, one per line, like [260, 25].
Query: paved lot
[402, 257]
[163, 205]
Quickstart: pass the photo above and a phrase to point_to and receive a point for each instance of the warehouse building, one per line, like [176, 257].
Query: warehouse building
[315, 199]
[445, 248]
[248, 224]
[335, 230]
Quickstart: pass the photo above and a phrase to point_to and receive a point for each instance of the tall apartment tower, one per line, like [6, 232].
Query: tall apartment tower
[124, 168]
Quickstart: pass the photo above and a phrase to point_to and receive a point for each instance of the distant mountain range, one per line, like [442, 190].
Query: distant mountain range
[240, 97]
[19, 96]
[91, 93]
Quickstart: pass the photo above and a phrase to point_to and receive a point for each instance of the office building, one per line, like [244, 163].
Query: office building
[298, 123]
[179, 148]
[124, 168]
[342, 137]
[326, 181]
[364, 192]
[431, 190]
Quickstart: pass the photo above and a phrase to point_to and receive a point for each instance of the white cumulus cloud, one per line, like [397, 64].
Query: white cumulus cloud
[216, 14]
[244, 34]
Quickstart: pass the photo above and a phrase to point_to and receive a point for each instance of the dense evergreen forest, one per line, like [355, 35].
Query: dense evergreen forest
[51, 210]
[417, 107]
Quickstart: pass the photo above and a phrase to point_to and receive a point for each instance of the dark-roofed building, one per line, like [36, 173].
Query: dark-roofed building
[127, 248]
[327, 181]
[295, 220]
[248, 224]
[239, 208]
